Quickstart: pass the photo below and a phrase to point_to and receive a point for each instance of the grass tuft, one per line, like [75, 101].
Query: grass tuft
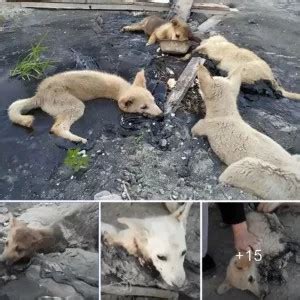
[32, 65]
[76, 159]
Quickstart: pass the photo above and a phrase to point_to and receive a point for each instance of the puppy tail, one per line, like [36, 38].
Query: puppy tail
[263, 179]
[22, 106]
[277, 86]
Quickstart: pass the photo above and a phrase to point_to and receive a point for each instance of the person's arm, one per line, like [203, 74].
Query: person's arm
[234, 214]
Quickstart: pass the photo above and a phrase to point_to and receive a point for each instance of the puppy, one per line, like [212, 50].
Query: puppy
[45, 229]
[158, 29]
[159, 240]
[256, 162]
[62, 97]
[24, 241]
[230, 57]
[244, 273]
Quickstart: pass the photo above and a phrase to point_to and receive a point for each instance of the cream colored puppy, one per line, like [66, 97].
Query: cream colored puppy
[255, 162]
[230, 57]
[243, 272]
[62, 97]
[160, 240]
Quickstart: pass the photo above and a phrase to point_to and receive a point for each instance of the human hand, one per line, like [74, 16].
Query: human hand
[243, 239]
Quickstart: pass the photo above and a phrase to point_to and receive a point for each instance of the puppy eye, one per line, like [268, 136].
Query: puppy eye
[6, 243]
[183, 253]
[18, 249]
[251, 279]
[144, 107]
[161, 257]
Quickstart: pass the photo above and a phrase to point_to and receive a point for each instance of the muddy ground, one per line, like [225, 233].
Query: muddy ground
[151, 160]
[69, 273]
[109, 214]
[221, 248]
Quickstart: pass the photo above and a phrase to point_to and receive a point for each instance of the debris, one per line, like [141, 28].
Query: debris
[171, 83]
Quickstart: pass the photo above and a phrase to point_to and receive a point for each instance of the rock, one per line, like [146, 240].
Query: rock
[3, 210]
[171, 83]
[106, 195]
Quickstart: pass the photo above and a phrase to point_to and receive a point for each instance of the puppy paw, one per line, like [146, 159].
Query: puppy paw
[28, 121]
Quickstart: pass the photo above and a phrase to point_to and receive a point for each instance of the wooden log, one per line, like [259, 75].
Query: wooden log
[183, 84]
[183, 8]
[138, 291]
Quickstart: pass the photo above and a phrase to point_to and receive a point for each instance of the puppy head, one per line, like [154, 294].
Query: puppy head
[181, 30]
[213, 47]
[21, 242]
[161, 240]
[216, 89]
[137, 99]
[243, 274]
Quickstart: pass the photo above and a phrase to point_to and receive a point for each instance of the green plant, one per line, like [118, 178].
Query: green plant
[76, 160]
[32, 65]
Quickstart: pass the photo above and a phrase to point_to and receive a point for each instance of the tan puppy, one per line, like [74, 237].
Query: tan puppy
[230, 57]
[158, 29]
[62, 97]
[256, 162]
[24, 241]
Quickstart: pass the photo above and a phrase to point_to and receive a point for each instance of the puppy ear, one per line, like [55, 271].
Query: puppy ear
[243, 263]
[12, 221]
[175, 21]
[136, 225]
[140, 79]
[181, 214]
[224, 287]
[125, 103]
[205, 79]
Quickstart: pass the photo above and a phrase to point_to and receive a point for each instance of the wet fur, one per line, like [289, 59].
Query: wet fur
[230, 57]
[158, 29]
[24, 241]
[244, 274]
[62, 96]
[147, 238]
[255, 162]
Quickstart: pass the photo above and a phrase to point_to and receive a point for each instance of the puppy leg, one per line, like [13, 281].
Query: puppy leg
[66, 111]
[199, 128]
[152, 39]
[133, 27]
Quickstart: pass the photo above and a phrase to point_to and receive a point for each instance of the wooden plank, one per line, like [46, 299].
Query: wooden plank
[211, 22]
[183, 8]
[139, 291]
[92, 6]
[183, 84]
[211, 6]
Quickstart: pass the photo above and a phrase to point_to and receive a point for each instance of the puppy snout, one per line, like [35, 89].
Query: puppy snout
[178, 282]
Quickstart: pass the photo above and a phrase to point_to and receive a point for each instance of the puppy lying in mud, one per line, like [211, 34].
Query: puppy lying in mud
[255, 162]
[159, 29]
[253, 275]
[230, 57]
[159, 241]
[62, 97]
[51, 229]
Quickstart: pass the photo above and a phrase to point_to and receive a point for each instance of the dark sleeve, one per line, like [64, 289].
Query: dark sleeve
[232, 213]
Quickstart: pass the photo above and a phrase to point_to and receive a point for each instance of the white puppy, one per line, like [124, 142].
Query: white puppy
[159, 240]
